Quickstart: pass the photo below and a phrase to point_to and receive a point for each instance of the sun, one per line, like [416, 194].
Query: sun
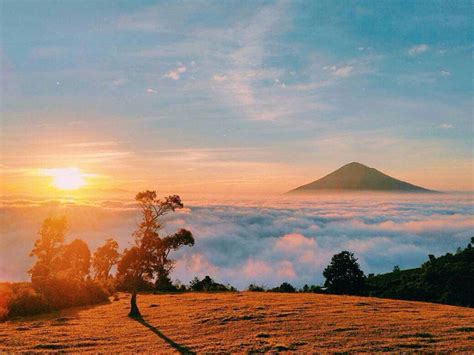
[65, 178]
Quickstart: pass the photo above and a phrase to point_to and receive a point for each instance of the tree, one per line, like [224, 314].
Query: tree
[104, 258]
[343, 275]
[75, 260]
[47, 249]
[149, 259]
[284, 287]
[207, 284]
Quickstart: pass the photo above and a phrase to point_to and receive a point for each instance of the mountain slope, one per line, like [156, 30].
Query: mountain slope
[358, 177]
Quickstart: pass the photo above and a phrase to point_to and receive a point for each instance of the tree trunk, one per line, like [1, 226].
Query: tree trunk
[134, 312]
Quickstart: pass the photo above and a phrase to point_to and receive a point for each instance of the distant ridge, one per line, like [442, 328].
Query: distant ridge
[358, 177]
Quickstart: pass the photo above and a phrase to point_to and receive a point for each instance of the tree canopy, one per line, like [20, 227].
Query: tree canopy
[343, 275]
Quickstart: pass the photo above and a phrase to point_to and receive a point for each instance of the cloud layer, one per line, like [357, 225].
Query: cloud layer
[265, 242]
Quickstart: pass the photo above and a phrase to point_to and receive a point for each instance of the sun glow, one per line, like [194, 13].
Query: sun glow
[65, 178]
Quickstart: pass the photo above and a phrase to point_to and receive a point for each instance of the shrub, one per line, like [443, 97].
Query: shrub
[27, 302]
[22, 299]
[284, 287]
[207, 284]
[256, 288]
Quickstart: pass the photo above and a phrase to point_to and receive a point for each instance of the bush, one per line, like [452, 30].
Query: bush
[62, 293]
[27, 302]
[163, 284]
[256, 288]
[22, 299]
[207, 284]
[284, 287]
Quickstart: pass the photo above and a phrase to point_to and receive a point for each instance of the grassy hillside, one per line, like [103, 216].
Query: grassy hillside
[238, 322]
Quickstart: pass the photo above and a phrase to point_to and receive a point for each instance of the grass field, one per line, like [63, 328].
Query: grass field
[242, 322]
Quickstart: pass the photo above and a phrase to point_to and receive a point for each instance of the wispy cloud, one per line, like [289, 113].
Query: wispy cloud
[418, 49]
[342, 72]
[445, 126]
[219, 77]
[176, 73]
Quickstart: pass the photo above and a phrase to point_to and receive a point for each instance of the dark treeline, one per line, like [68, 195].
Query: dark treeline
[448, 279]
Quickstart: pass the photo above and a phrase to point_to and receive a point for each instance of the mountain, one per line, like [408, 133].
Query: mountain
[358, 177]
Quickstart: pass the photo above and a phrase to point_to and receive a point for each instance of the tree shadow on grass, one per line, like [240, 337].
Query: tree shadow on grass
[180, 348]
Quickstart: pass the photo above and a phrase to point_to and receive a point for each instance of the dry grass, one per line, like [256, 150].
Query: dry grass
[242, 322]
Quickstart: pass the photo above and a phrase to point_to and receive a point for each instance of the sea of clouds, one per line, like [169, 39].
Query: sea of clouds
[261, 240]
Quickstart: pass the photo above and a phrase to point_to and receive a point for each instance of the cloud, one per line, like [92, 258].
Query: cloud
[341, 72]
[446, 126]
[119, 82]
[267, 242]
[418, 49]
[445, 73]
[175, 74]
[219, 77]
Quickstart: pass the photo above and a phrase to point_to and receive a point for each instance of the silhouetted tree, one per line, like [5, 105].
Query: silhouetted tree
[343, 275]
[60, 275]
[149, 257]
[75, 261]
[47, 249]
[105, 257]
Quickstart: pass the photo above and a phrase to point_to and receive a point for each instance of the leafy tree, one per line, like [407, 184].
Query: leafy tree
[75, 261]
[343, 275]
[60, 276]
[105, 257]
[47, 249]
[149, 257]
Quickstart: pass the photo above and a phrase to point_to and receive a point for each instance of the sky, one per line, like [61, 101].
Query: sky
[234, 96]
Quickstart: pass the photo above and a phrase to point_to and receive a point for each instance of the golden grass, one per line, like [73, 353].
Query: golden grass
[242, 322]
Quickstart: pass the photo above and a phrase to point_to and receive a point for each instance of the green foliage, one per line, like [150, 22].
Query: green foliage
[256, 288]
[447, 279]
[284, 287]
[343, 275]
[163, 284]
[208, 285]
